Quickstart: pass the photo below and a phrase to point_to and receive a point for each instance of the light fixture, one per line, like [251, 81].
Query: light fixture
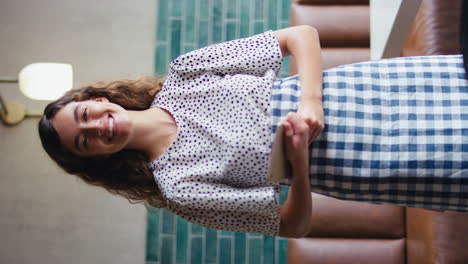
[39, 81]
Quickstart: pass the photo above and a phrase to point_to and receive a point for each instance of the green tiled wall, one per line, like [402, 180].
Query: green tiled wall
[182, 26]
[185, 25]
[170, 239]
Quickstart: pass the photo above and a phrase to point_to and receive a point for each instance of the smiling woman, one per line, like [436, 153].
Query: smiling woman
[119, 135]
[78, 125]
[200, 147]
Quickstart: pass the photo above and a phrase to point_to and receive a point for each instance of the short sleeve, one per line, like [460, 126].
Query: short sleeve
[253, 55]
[220, 206]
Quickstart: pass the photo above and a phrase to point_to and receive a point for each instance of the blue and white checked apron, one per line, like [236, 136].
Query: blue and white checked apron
[396, 131]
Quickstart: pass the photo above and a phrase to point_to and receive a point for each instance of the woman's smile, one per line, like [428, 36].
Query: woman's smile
[110, 127]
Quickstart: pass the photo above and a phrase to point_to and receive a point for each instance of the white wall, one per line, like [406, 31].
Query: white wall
[47, 216]
[390, 23]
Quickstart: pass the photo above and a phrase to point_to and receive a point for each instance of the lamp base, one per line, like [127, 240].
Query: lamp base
[16, 114]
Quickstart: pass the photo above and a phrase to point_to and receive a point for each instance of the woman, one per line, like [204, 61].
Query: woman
[206, 137]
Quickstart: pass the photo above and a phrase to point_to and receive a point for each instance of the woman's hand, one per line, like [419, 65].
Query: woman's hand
[302, 42]
[314, 118]
[295, 213]
[296, 132]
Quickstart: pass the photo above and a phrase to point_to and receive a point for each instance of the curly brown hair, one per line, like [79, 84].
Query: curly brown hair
[125, 173]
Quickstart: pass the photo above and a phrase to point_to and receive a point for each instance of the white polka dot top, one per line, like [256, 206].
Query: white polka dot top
[214, 174]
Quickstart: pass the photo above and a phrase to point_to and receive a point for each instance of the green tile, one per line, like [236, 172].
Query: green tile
[285, 5]
[176, 8]
[254, 235]
[188, 48]
[240, 243]
[226, 233]
[211, 245]
[204, 9]
[272, 19]
[259, 9]
[268, 249]
[282, 251]
[175, 39]
[245, 19]
[189, 34]
[231, 9]
[182, 26]
[285, 73]
[255, 252]
[167, 250]
[152, 236]
[230, 31]
[284, 189]
[168, 222]
[161, 62]
[259, 27]
[225, 249]
[162, 23]
[196, 229]
[217, 21]
[196, 250]
[182, 240]
[202, 34]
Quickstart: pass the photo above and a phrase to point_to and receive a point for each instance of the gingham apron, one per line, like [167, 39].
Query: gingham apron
[396, 131]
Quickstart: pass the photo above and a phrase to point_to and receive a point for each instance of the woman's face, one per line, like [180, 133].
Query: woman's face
[93, 127]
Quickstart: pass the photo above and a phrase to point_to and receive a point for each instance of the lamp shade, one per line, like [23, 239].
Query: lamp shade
[45, 81]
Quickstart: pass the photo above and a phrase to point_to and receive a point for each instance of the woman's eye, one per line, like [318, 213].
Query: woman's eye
[85, 114]
[85, 141]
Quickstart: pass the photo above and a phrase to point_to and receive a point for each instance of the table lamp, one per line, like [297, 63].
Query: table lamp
[38, 81]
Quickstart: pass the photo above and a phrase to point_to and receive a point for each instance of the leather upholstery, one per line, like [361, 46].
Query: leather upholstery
[332, 57]
[437, 237]
[349, 219]
[351, 232]
[343, 251]
[435, 29]
[338, 26]
[332, 2]
[343, 27]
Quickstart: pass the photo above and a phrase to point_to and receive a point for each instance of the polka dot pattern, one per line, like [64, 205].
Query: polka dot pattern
[214, 174]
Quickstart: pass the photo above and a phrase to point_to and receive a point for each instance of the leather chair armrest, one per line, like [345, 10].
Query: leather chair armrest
[436, 237]
[335, 250]
[349, 219]
[435, 30]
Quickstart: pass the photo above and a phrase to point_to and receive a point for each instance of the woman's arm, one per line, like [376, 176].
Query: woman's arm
[302, 128]
[296, 212]
[302, 42]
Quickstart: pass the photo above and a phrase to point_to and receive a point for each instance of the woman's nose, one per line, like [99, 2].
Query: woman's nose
[94, 127]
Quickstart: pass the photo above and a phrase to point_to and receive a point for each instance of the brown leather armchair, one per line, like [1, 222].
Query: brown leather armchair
[355, 232]
[351, 232]
[343, 26]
